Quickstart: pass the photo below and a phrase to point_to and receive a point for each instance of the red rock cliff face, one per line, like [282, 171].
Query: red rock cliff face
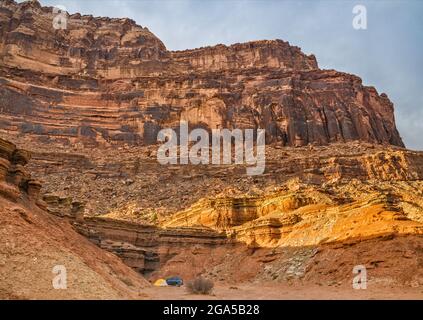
[107, 81]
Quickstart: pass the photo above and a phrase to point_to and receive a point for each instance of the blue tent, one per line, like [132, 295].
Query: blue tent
[174, 281]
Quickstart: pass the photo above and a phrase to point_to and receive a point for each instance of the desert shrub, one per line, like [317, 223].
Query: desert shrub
[200, 285]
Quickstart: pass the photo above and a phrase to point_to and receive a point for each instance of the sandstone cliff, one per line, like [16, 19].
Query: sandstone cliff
[109, 81]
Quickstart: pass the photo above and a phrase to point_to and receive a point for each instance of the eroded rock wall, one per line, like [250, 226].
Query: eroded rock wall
[109, 81]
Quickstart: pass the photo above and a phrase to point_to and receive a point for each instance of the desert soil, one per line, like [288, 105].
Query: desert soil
[251, 291]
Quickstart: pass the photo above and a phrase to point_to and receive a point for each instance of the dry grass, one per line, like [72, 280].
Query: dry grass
[200, 285]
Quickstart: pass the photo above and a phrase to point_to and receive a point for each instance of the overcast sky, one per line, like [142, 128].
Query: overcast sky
[387, 55]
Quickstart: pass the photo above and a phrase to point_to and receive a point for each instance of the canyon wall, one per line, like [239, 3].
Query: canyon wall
[147, 248]
[106, 81]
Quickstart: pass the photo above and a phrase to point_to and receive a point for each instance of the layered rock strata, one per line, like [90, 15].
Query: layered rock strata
[130, 182]
[146, 248]
[14, 178]
[308, 216]
[109, 81]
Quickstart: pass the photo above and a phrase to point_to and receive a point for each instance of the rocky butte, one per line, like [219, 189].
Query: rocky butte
[87, 102]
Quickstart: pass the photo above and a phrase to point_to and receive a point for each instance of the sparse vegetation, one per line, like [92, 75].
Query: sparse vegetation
[200, 285]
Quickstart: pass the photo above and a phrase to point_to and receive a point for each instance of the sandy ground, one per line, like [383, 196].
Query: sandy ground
[286, 292]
